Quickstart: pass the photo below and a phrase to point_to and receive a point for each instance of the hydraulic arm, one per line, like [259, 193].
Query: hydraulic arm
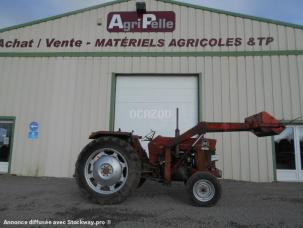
[261, 124]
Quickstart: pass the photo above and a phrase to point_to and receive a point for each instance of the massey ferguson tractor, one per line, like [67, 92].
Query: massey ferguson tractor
[114, 163]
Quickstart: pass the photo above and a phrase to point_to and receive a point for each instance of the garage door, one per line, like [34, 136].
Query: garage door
[149, 102]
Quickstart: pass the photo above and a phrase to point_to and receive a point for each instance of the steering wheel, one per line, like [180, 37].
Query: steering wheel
[149, 136]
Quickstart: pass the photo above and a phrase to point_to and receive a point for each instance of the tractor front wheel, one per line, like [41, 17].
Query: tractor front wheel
[204, 189]
[108, 169]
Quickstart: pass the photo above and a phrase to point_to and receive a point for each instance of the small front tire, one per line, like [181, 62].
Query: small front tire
[203, 189]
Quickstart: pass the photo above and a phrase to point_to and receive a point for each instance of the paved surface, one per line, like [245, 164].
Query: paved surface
[153, 205]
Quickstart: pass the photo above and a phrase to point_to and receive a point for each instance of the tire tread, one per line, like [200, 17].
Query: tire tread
[127, 189]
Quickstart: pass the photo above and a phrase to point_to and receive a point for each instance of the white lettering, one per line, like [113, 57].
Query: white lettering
[151, 114]
[147, 19]
[116, 21]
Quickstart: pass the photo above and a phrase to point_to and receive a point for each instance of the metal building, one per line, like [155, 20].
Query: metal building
[127, 65]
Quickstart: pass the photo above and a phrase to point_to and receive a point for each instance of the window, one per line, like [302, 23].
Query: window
[289, 154]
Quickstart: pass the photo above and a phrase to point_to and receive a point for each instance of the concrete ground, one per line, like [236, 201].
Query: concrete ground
[242, 204]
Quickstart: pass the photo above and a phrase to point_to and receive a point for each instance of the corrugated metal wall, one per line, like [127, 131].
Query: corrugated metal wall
[67, 97]
[190, 23]
[70, 97]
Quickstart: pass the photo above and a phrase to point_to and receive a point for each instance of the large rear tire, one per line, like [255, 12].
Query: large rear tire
[203, 189]
[108, 169]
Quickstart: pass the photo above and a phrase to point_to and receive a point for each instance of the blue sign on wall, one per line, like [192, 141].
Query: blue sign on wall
[33, 126]
[33, 132]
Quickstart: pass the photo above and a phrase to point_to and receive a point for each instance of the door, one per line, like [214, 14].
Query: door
[300, 152]
[149, 102]
[289, 149]
[6, 134]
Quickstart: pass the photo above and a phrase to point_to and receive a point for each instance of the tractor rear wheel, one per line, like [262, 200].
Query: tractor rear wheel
[203, 189]
[108, 169]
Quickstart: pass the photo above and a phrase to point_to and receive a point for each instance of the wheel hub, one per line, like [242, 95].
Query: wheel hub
[204, 190]
[107, 170]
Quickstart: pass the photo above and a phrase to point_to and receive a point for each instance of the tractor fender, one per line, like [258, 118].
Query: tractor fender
[133, 140]
[118, 134]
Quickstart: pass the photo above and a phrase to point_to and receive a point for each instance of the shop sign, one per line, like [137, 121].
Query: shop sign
[139, 42]
[159, 21]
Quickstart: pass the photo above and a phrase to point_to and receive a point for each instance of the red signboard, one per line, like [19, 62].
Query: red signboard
[159, 21]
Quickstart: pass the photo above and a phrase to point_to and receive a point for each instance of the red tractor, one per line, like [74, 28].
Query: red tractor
[114, 163]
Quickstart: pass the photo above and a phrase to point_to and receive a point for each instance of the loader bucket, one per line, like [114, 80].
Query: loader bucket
[263, 124]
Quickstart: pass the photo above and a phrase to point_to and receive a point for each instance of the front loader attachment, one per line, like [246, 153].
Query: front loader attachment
[263, 124]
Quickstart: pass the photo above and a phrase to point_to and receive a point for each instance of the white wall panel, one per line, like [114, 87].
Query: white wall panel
[299, 38]
[234, 116]
[243, 111]
[300, 76]
[240, 32]
[232, 30]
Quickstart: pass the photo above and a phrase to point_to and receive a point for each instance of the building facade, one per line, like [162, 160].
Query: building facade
[118, 65]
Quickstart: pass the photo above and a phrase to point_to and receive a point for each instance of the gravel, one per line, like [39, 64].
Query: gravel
[40, 200]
